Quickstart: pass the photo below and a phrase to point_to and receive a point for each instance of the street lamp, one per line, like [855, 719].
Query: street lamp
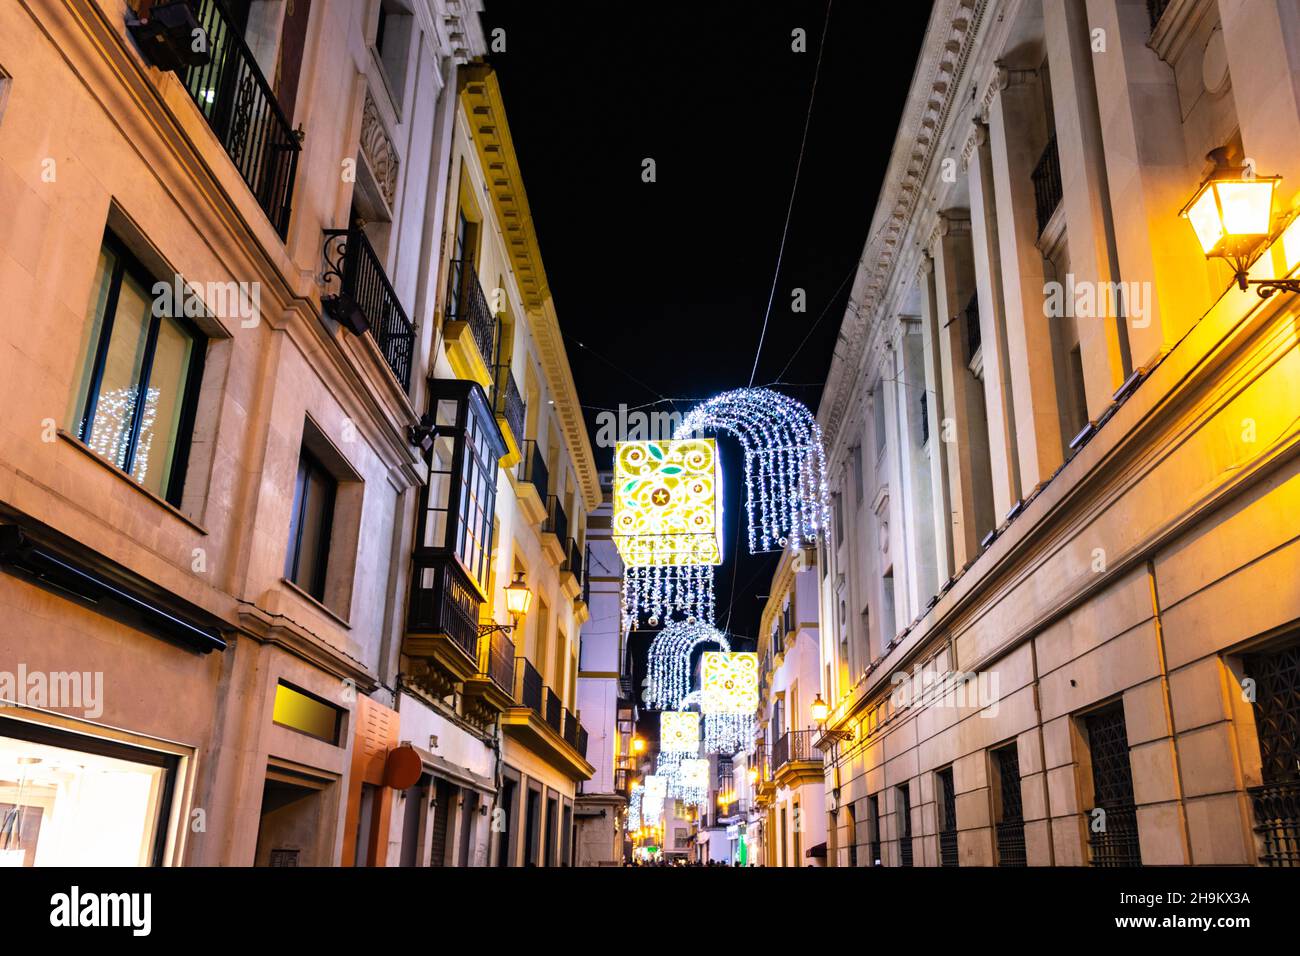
[638, 745]
[819, 713]
[518, 599]
[1232, 216]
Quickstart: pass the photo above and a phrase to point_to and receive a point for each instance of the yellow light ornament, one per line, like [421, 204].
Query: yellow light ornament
[730, 683]
[668, 503]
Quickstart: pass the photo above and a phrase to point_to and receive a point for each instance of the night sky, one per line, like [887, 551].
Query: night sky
[661, 287]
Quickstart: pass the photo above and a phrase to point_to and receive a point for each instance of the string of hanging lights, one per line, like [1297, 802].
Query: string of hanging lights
[659, 595]
[668, 672]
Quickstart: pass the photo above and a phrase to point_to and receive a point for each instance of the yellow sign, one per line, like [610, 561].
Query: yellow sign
[668, 502]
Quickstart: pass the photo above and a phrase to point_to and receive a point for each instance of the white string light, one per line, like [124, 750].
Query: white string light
[727, 733]
[661, 594]
[668, 671]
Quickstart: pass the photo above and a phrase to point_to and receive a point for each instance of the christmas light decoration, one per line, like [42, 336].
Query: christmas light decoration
[727, 733]
[693, 781]
[679, 732]
[667, 503]
[634, 797]
[653, 796]
[729, 683]
[660, 595]
[787, 498]
[668, 675]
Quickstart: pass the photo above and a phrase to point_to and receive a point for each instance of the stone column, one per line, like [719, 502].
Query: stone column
[1149, 179]
[1103, 343]
[939, 492]
[1004, 456]
[1016, 132]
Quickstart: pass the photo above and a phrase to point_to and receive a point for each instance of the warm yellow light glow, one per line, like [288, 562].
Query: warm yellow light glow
[730, 682]
[668, 502]
[679, 731]
[1232, 212]
[638, 745]
[753, 775]
[518, 597]
[819, 710]
[694, 774]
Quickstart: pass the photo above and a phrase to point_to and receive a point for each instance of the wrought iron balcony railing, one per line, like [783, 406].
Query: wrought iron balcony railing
[240, 107]
[528, 685]
[364, 295]
[1116, 843]
[532, 467]
[1010, 836]
[1047, 183]
[554, 711]
[581, 746]
[496, 657]
[556, 523]
[443, 602]
[573, 563]
[467, 303]
[1277, 821]
[507, 402]
[796, 745]
[570, 729]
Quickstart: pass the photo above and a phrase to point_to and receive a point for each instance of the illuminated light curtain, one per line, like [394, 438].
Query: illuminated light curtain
[667, 503]
[728, 733]
[668, 671]
[653, 796]
[693, 781]
[634, 798]
[660, 595]
[787, 495]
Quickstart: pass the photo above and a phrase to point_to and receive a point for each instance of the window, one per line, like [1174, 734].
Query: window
[140, 376]
[1008, 812]
[1276, 673]
[309, 528]
[904, 826]
[925, 417]
[393, 44]
[1112, 832]
[852, 835]
[838, 509]
[878, 417]
[888, 619]
[509, 789]
[947, 794]
[873, 827]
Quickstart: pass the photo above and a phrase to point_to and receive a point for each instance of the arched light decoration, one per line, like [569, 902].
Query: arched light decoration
[667, 503]
[668, 676]
[659, 595]
[679, 732]
[787, 495]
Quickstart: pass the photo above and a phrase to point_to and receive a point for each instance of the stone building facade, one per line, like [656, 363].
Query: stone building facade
[1078, 502]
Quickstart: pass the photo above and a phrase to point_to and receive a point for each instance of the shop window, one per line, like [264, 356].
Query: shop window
[74, 800]
[140, 373]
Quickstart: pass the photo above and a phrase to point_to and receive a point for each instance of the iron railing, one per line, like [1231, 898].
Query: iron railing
[1047, 183]
[467, 303]
[507, 402]
[554, 711]
[1277, 821]
[1010, 835]
[570, 729]
[444, 602]
[573, 564]
[1114, 837]
[948, 818]
[581, 746]
[1009, 830]
[496, 657]
[556, 523]
[795, 745]
[532, 467]
[241, 109]
[528, 685]
[1114, 841]
[904, 826]
[971, 317]
[355, 267]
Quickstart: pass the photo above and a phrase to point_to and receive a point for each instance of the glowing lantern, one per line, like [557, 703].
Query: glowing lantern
[667, 503]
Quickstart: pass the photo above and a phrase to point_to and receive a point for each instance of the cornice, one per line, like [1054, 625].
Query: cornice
[954, 25]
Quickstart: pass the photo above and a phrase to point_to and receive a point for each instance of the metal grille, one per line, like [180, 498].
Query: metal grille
[1010, 827]
[507, 402]
[532, 467]
[240, 107]
[497, 657]
[1113, 834]
[529, 691]
[1277, 721]
[904, 826]
[361, 277]
[873, 822]
[1047, 183]
[467, 303]
[556, 523]
[948, 818]
[553, 710]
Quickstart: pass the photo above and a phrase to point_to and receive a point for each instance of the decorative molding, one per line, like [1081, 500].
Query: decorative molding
[378, 149]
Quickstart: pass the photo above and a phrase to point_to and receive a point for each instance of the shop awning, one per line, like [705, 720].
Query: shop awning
[455, 773]
[817, 852]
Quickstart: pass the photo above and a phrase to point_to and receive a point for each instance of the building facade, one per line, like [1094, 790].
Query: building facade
[251, 321]
[1063, 448]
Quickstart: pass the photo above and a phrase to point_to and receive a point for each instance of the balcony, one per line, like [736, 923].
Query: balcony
[241, 109]
[1047, 184]
[442, 622]
[508, 407]
[796, 759]
[470, 328]
[530, 482]
[1277, 822]
[571, 571]
[765, 785]
[622, 784]
[491, 690]
[555, 530]
[365, 300]
[539, 721]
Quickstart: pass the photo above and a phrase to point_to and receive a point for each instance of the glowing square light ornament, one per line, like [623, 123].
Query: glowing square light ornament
[656, 789]
[668, 503]
[694, 774]
[730, 682]
[679, 732]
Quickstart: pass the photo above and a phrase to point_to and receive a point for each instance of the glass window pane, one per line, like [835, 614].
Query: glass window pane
[94, 329]
[164, 398]
[111, 430]
[314, 536]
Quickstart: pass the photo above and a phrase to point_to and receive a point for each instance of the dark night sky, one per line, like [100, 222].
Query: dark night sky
[665, 284]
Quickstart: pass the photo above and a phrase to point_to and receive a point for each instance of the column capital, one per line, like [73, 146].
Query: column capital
[1004, 77]
[979, 135]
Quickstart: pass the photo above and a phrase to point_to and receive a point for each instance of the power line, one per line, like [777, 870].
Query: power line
[789, 210]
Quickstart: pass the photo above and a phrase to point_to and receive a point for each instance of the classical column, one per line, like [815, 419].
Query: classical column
[1004, 455]
[1149, 180]
[1103, 342]
[939, 493]
[1016, 121]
